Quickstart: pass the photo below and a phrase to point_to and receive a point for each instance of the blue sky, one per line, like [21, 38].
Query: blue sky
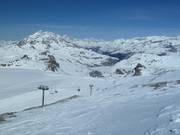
[104, 19]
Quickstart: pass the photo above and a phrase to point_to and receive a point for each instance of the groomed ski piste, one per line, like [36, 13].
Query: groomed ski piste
[121, 103]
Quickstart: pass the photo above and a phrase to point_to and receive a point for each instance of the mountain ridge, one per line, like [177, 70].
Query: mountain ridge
[35, 52]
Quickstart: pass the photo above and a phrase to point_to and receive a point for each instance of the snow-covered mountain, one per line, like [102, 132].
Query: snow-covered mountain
[155, 53]
[49, 51]
[96, 87]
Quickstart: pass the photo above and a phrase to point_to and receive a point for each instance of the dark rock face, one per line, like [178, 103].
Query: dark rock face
[33, 42]
[119, 71]
[46, 42]
[110, 62]
[3, 65]
[95, 74]
[21, 43]
[171, 48]
[6, 65]
[52, 64]
[138, 69]
[162, 54]
[25, 57]
[44, 53]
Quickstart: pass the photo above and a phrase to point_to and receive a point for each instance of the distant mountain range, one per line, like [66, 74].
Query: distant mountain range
[48, 51]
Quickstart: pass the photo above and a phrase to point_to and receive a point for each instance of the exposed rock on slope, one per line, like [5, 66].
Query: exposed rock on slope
[52, 64]
[138, 69]
[95, 73]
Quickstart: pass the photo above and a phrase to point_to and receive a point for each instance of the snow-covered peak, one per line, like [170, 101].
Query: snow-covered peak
[49, 51]
[43, 40]
[43, 35]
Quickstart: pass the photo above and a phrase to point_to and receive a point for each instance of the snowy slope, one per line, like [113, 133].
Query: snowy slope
[122, 103]
[118, 106]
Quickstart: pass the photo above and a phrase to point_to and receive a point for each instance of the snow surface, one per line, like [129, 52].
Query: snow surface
[148, 104]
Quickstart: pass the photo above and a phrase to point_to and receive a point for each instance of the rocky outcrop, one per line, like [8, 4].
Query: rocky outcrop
[25, 57]
[110, 62]
[138, 69]
[95, 73]
[119, 71]
[21, 43]
[53, 65]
